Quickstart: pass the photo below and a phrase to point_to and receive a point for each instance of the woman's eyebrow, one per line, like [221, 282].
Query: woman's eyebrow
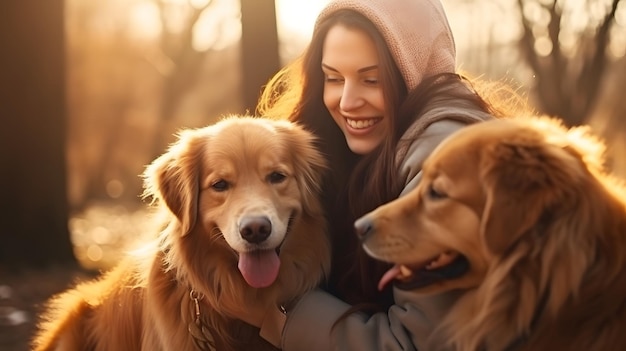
[368, 68]
[329, 67]
[360, 70]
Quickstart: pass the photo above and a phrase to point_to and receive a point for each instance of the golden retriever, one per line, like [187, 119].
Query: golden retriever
[521, 214]
[243, 226]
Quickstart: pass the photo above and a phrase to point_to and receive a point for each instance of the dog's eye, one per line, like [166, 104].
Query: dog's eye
[276, 177]
[220, 185]
[435, 194]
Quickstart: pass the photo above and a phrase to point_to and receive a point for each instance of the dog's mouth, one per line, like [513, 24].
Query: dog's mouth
[445, 266]
[260, 268]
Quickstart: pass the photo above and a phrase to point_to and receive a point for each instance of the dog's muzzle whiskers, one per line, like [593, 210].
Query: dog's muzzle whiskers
[289, 225]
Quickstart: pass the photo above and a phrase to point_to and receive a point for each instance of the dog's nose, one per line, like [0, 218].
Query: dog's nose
[255, 229]
[363, 227]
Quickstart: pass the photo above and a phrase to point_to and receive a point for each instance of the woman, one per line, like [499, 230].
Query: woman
[377, 84]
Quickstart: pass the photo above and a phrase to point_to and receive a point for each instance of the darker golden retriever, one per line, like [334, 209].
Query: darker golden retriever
[521, 213]
[243, 226]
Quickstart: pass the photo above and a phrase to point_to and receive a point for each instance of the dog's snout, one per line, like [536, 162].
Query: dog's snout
[364, 227]
[255, 229]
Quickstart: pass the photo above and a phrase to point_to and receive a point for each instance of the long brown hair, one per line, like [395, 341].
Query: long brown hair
[357, 184]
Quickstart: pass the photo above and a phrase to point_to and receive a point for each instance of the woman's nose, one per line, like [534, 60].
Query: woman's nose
[351, 97]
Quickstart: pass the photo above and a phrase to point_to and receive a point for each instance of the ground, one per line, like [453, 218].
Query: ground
[100, 234]
[22, 295]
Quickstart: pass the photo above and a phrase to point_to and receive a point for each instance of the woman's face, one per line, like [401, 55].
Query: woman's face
[352, 92]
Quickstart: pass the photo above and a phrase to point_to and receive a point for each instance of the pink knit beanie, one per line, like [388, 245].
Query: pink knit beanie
[416, 31]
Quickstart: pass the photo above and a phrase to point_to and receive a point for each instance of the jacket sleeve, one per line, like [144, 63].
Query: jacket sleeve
[405, 326]
[411, 165]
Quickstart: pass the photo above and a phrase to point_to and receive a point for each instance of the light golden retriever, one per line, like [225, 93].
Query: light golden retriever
[243, 226]
[521, 214]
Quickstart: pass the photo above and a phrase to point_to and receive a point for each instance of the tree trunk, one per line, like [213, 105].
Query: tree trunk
[34, 210]
[259, 48]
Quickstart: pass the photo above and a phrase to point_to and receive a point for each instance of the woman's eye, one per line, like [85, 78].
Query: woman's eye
[371, 81]
[435, 194]
[332, 79]
[220, 185]
[276, 177]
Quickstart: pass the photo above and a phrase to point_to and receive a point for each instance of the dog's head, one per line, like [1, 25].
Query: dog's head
[238, 186]
[481, 190]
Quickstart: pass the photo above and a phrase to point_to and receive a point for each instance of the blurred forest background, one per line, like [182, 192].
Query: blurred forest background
[91, 91]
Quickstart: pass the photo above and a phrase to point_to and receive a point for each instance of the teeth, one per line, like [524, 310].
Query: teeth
[405, 272]
[442, 260]
[361, 123]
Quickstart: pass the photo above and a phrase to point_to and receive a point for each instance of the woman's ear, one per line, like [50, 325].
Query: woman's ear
[173, 178]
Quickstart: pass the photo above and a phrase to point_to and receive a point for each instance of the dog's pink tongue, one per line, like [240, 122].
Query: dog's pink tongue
[390, 275]
[259, 268]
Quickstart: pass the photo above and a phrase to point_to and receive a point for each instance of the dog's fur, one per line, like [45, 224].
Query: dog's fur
[542, 224]
[241, 185]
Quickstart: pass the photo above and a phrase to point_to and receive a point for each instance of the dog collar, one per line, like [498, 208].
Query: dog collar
[200, 332]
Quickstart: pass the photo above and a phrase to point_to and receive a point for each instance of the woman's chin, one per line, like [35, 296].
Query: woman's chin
[360, 149]
[362, 146]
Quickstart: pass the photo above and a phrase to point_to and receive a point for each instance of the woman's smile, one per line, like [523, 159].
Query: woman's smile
[362, 123]
[361, 126]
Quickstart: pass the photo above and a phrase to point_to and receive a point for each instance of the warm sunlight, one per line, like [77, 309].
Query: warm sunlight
[295, 24]
[472, 22]
[297, 17]
[220, 27]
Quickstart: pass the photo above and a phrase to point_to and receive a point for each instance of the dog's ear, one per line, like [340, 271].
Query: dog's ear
[523, 180]
[173, 178]
[309, 162]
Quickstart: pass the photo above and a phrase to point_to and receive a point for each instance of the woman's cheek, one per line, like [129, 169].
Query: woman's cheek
[332, 96]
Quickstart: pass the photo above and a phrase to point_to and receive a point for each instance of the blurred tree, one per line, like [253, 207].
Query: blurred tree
[259, 48]
[34, 211]
[185, 62]
[567, 49]
[259, 52]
